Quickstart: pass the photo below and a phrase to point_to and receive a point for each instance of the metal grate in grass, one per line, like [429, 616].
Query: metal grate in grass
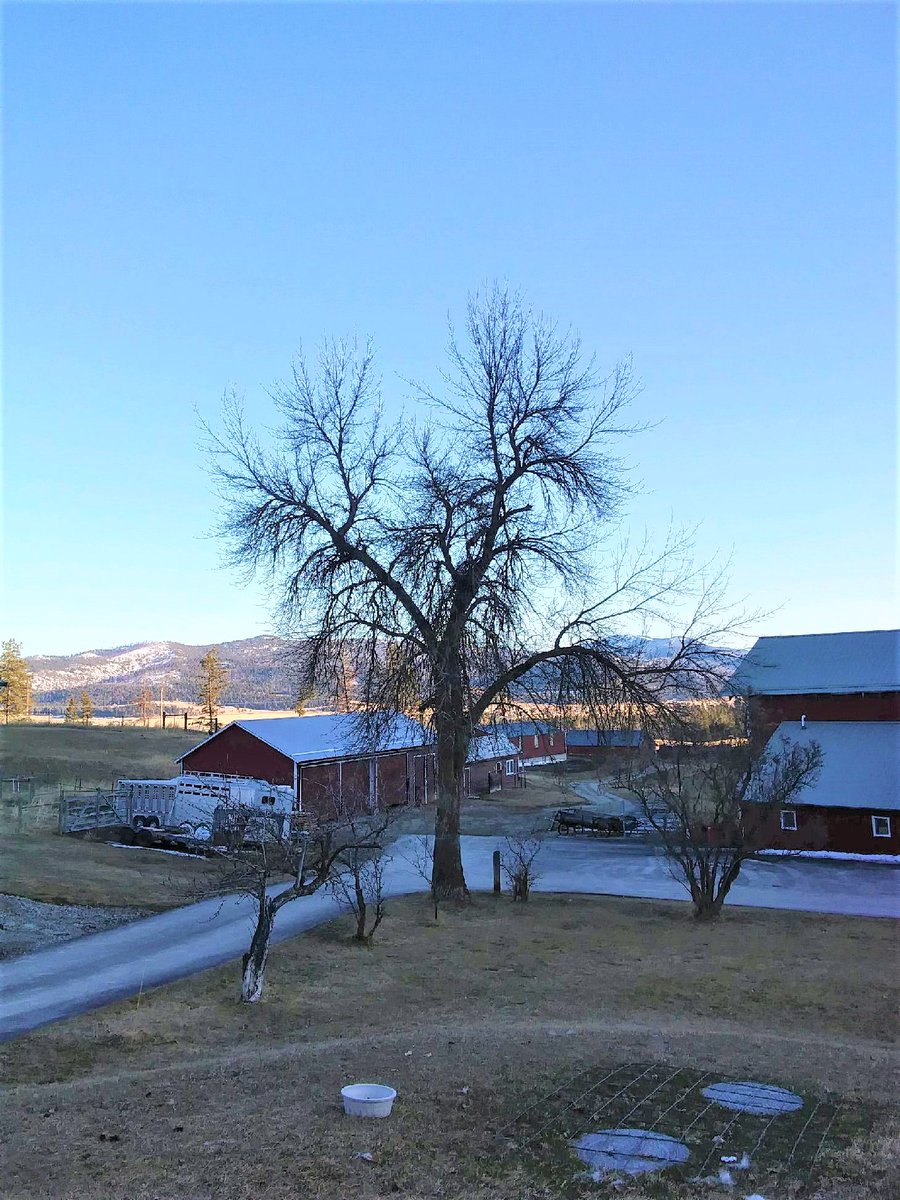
[642, 1096]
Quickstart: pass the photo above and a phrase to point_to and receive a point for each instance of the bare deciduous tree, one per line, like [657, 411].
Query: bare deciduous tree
[358, 879]
[277, 857]
[458, 561]
[519, 862]
[710, 806]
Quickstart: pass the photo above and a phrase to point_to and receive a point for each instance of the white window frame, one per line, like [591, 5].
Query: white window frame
[537, 741]
[510, 766]
[875, 820]
[792, 814]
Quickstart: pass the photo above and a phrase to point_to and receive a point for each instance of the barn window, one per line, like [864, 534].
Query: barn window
[537, 741]
[510, 766]
[788, 819]
[881, 827]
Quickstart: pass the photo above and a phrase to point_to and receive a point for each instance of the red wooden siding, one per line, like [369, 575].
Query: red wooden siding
[482, 776]
[768, 712]
[548, 743]
[234, 751]
[820, 828]
[392, 781]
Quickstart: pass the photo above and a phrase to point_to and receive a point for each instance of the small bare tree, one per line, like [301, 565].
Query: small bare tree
[709, 806]
[419, 854]
[358, 880]
[518, 859]
[275, 858]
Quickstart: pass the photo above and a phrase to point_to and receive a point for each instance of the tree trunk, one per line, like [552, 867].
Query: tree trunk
[448, 882]
[256, 957]
[707, 910]
[361, 906]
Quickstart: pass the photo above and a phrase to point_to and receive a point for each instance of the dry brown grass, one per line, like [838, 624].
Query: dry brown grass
[96, 755]
[209, 1098]
[70, 870]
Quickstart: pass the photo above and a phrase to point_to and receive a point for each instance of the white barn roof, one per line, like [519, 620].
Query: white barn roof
[821, 662]
[309, 739]
[486, 746]
[860, 762]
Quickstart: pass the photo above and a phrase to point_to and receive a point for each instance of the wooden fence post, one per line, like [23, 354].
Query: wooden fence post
[497, 872]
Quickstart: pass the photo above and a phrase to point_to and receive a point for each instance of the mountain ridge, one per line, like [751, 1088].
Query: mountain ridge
[260, 669]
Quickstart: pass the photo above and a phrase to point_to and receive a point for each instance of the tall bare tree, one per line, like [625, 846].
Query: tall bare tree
[709, 808]
[458, 558]
[211, 683]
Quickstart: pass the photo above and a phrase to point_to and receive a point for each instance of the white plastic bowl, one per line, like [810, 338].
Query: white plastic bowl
[368, 1099]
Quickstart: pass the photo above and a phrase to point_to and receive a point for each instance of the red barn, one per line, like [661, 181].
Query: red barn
[492, 764]
[604, 745]
[320, 758]
[841, 690]
[536, 742]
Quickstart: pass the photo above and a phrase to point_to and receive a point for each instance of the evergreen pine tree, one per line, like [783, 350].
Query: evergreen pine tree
[71, 711]
[15, 698]
[86, 712]
[212, 681]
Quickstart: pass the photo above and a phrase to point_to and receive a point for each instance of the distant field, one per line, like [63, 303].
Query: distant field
[96, 755]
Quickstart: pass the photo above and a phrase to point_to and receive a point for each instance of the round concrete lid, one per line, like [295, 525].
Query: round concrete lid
[631, 1151]
[760, 1099]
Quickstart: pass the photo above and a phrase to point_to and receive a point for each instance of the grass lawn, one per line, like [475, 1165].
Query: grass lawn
[185, 1093]
[70, 870]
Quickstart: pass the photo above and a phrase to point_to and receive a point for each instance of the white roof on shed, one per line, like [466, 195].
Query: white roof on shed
[485, 746]
[860, 762]
[309, 739]
[821, 662]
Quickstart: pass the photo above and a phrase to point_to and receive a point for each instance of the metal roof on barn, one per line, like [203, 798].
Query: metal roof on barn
[318, 739]
[826, 663]
[486, 746]
[860, 762]
[313, 739]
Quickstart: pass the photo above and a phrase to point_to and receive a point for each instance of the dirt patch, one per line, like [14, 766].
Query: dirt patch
[27, 925]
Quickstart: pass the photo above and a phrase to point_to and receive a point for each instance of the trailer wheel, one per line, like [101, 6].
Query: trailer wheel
[137, 822]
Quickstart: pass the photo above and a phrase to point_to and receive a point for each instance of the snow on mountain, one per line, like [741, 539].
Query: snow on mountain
[259, 671]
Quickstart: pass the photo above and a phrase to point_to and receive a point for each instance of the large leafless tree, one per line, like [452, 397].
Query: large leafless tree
[461, 559]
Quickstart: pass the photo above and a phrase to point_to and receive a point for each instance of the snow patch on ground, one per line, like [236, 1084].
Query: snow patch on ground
[155, 850]
[27, 925]
[836, 855]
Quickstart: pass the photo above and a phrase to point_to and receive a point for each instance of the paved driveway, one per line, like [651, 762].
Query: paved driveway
[85, 974]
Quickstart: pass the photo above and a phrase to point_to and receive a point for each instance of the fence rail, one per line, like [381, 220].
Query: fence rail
[97, 810]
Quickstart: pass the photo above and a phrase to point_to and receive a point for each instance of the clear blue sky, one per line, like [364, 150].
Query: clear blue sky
[189, 191]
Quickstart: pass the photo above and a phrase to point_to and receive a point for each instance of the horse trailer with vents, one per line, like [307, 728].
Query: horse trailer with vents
[187, 804]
